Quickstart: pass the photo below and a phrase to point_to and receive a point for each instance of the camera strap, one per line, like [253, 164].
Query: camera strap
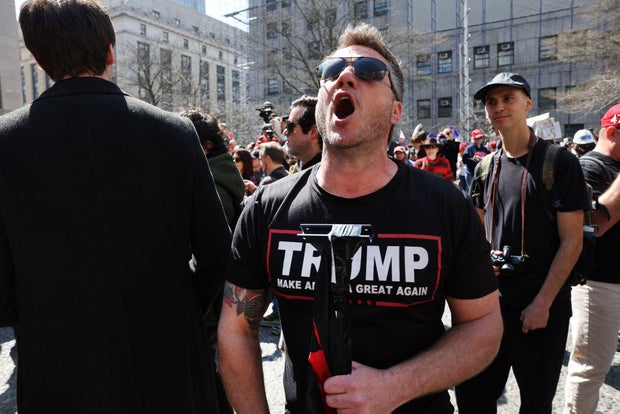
[494, 186]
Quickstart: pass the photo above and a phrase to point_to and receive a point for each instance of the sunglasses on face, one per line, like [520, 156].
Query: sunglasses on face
[367, 68]
[237, 159]
[290, 125]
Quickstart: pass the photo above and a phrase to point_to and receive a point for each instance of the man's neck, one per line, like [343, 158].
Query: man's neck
[355, 176]
[604, 149]
[515, 143]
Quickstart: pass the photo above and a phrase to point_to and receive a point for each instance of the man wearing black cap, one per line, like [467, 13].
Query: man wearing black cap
[544, 238]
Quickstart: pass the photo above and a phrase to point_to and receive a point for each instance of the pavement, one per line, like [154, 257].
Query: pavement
[273, 364]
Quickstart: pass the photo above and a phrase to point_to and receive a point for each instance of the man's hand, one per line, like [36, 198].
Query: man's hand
[497, 269]
[362, 391]
[535, 316]
[249, 186]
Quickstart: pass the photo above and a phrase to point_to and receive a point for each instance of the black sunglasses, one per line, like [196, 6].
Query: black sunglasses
[367, 68]
[290, 125]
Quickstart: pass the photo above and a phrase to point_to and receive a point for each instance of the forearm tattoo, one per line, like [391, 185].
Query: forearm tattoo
[251, 303]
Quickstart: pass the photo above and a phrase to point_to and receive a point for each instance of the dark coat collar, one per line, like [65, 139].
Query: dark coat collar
[85, 85]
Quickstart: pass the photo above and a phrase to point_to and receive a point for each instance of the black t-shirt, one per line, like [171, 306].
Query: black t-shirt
[606, 269]
[399, 280]
[503, 216]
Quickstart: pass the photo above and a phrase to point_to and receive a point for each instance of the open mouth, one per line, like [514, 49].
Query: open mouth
[344, 107]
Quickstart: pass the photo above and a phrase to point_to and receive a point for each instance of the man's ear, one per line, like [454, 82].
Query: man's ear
[314, 131]
[110, 58]
[397, 112]
[609, 132]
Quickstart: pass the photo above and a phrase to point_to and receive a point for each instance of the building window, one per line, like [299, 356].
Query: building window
[165, 37]
[144, 70]
[221, 84]
[185, 44]
[444, 62]
[423, 64]
[204, 83]
[548, 48]
[186, 63]
[286, 53]
[424, 108]
[142, 29]
[272, 30]
[381, 7]
[177, 22]
[286, 29]
[236, 87]
[203, 49]
[546, 99]
[273, 87]
[314, 49]
[186, 75]
[220, 55]
[571, 129]
[23, 76]
[360, 9]
[195, 29]
[165, 64]
[481, 57]
[156, 14]
[444, 107]
[505, 53]
[271, 5]
[285, 3]
[35, 80]
[144, 53]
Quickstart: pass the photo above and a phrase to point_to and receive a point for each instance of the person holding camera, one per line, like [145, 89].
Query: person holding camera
[533, 251]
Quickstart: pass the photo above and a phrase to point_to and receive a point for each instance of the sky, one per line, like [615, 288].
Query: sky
[214, 8]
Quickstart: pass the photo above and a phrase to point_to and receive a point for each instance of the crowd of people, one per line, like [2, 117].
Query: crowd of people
[140, 250]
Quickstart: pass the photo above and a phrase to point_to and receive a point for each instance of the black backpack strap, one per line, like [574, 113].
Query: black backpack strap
[548, 193]
[590, 159]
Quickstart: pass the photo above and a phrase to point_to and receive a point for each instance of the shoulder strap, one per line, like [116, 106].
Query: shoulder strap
[485, 165]
[603, 167]
[552, 152]
[548, 171]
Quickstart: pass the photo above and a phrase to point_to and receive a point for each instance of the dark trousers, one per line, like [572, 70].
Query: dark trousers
[536, 360]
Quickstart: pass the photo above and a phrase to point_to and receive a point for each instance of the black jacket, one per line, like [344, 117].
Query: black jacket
[103, 201]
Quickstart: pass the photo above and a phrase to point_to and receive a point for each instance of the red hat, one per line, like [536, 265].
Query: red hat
[612, 117]
[399, 148]
[477, 133]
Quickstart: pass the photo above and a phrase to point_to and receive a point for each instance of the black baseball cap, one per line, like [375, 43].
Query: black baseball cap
[504, 79]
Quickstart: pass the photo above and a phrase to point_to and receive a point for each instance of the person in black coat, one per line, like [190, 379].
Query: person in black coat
[103, 201]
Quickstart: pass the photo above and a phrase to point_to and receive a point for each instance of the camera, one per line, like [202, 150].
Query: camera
[508, 264]
[265, 111]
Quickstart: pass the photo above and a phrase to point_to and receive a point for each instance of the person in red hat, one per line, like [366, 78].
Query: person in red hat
[474, 152]
[596, 305]
[611, 197]
[400, 154]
